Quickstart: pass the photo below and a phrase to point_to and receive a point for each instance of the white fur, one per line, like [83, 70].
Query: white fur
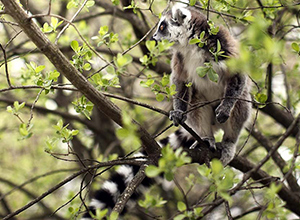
[193, 58]
[139, 154]
[127, 172]
[111, 187]
[96, 204]
[173, 140]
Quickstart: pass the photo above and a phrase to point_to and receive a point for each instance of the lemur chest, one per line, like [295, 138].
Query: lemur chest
[207, 89]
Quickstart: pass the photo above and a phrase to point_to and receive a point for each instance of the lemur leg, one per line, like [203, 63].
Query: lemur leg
[234, 89]
[232, 128]
[201, 121]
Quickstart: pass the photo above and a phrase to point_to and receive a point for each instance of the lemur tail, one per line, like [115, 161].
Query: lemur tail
[106, 197]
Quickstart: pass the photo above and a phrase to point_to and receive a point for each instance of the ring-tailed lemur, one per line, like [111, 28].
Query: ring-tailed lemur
[228, 110]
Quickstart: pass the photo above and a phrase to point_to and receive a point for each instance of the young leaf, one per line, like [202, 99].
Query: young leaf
[75, 46]
[194, 41]
[152, 171]
[181, 206]
[201, 71]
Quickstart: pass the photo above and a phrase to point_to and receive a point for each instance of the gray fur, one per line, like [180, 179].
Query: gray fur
[180, 25]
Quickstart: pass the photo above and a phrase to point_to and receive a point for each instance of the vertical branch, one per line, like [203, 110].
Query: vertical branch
[50, 5]
[6, 66]
[270, 82]
[207, 15]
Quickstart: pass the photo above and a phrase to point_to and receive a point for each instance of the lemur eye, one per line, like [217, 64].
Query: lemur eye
[162, 27]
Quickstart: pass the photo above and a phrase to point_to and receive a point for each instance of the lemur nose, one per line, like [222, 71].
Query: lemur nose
[153, 37]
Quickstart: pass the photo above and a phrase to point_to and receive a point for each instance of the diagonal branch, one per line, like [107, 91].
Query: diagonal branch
[63, 65]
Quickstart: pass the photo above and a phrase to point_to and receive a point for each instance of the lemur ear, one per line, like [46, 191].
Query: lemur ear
[179, 16]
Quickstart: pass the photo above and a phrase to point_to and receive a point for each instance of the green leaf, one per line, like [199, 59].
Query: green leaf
[212, 75]
[53, 75]
[87, 66]
[39, 69]
[295, 47]
[160, 97]
[115, 2]
[201, 71]
[46, 28]
[179, 217]
[169, 175]
[216, 166]
[144, 60]
[260, 97]
[152, 171]
[90, 3]
[181, 206]
[75, 46]
[192, 2]
[150, 44]
[103, 30]
[113, 216]
[194, 41]
[218, 46]
[123, 60]
[198, 211]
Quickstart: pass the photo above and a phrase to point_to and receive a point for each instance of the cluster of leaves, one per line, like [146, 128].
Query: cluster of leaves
[35, 73]
[221, 179]
[156, 49]
[192, 214]
[168, 163]
[104, 214]
[53, 25]
[106, 38]
[82, 56]
[63, 134]
[107, 80]
[128, 133]
[161, 89]
[24, 129]
[207, 70]
[201, 41]
[83, 106]
[151, 201]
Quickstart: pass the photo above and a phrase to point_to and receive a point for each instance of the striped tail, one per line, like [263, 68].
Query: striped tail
[106, 197]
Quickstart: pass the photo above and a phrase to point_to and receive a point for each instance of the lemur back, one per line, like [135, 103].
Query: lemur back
[227, 108]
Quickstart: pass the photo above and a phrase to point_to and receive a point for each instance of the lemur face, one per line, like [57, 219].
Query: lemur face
[174, 25]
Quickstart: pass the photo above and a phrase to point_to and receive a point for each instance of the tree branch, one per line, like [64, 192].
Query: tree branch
[73, 75]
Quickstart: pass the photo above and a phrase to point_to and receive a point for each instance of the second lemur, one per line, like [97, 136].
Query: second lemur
[228, 109]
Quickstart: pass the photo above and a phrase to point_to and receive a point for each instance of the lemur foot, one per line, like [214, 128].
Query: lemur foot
[177, 116]
[222, 113]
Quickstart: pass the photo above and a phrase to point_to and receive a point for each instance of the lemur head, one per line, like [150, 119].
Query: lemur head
[174, 25]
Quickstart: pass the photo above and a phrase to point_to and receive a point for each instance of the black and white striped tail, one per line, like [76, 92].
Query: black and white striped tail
[106, 197]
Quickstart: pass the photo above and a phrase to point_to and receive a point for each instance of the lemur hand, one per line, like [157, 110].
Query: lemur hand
[177, 117]
[222, 113]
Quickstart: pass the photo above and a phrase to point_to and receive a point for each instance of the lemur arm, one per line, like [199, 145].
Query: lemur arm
[181, 99]
[180, 102]
[233, 92]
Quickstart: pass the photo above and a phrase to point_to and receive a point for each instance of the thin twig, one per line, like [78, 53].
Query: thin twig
[227, 208]
[33, 105]
[72, 19]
